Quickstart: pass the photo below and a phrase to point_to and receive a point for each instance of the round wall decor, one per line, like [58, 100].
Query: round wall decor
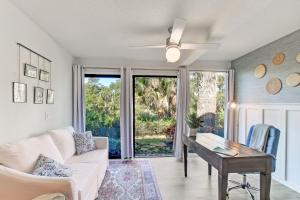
[260, 71]
[274, 86]
[298, 57]
[293, 80]
[278, 58]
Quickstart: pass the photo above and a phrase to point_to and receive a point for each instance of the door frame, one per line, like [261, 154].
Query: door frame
[226, 93]
[133, 100]
[107, 75]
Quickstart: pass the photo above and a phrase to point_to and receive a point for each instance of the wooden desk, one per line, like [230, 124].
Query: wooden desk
[247, 160]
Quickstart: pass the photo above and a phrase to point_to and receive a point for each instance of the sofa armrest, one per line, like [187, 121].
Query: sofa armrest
[19, 185]
[101, 142]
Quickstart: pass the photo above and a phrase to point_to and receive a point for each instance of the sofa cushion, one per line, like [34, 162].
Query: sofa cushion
[85, 176]
[22, 155]
[97, 156]
[48, 167]
[63, 139]
[84, 142]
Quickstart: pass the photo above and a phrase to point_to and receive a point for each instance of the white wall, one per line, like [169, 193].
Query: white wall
[285, 117]
[22, 120]
[198, 65]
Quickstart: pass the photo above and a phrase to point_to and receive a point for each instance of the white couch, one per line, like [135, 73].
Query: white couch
[17, 160]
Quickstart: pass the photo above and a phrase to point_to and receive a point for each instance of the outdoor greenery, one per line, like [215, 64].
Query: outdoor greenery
[155, 115]
[103, 111]
[102, 104]
[153, 147]
[208, 88]
[194, 121]
[155, 110]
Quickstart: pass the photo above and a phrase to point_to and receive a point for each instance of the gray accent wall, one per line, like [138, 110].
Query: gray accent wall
[252, 90]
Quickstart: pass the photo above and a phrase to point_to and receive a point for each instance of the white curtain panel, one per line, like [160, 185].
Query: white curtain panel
[78, 98]
[230, 117]
[126, 118]
[182, 108]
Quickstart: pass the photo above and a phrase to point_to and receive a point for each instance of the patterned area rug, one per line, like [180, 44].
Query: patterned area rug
[129, 180]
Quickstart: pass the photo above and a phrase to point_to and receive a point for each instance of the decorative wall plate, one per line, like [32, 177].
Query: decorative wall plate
[293, 80]
[298, 57]
[260, 71]
[274, 86]
[278, 58]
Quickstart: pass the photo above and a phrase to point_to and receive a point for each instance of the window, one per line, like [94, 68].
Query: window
[102, 103]
[154, 115]
[208, 94]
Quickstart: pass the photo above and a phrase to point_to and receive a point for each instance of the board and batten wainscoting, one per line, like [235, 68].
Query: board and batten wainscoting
[285, 117]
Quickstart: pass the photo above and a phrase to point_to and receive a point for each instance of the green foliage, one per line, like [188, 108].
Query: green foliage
[153, 147]
[155, 110]
[153, 128]
[170, 132]
[156, 96]
[145, 116]
[102, 104]
[193, 121]
[103, 112]
[220, 110]
[154, 102]
[155, 105]
[202, 83]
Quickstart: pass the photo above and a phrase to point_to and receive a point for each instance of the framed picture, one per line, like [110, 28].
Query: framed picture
[19, 92]
[44, 75]
[30, 71]
[38, 95]
[50, 97]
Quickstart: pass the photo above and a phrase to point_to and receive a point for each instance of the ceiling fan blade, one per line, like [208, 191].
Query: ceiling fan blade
[199, 46]
[177, 30]
[147, 47]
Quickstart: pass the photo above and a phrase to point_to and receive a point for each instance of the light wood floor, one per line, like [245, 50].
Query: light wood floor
[199, 186]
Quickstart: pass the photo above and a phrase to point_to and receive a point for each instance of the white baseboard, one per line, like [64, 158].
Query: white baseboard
[289, 185]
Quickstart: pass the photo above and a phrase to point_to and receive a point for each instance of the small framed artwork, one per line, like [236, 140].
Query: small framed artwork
[44, 76]
[30, 71]
[19, 92]
[50, 97]
[38, 95]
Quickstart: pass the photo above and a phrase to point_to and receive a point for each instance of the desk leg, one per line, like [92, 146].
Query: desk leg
[209, 169]
[185, 154]
[222, 186]
[265, 186]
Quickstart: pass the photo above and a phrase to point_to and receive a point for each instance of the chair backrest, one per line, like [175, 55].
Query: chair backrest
[209, 123]
[272, 143]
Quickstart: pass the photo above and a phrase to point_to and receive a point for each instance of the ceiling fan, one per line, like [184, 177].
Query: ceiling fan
[173, 43]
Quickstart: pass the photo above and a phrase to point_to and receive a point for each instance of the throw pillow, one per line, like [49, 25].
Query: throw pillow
[48, 167]
[84, 142]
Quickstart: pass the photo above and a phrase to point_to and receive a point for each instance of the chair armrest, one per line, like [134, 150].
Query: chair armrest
[18, 185]
[101, 142]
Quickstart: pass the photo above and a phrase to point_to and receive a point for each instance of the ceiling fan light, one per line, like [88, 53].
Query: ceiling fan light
[172, 53]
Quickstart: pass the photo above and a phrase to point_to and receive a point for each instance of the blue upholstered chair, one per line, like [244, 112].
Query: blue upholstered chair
[271, 149]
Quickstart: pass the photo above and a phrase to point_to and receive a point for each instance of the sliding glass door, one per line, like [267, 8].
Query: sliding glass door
[102, 103]
[208, 97]
[154, 109]
[154, 116]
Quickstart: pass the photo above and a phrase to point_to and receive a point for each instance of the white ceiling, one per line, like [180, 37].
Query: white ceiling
[105, 28]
